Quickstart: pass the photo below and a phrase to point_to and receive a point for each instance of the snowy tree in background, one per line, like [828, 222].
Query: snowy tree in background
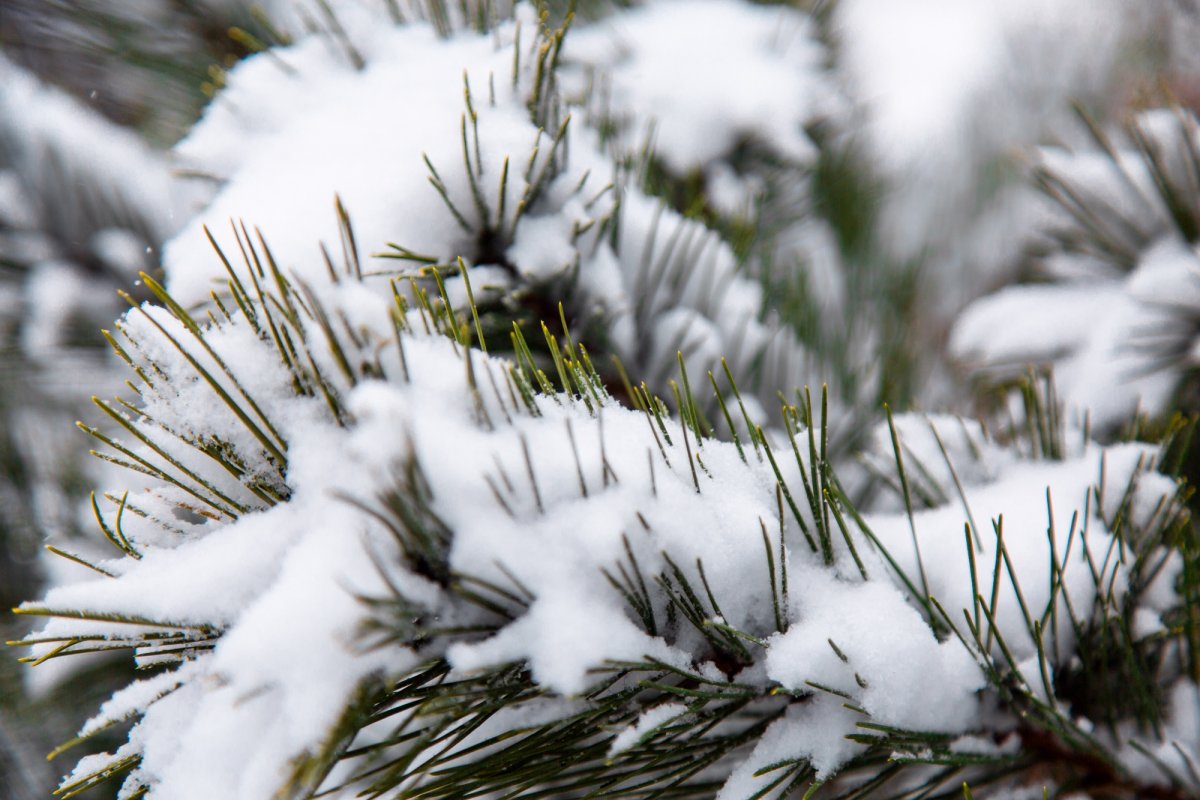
[1119, 269]
[508, 401]
[85, 206]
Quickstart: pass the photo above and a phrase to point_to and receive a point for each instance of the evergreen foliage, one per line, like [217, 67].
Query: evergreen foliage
[565, 466]
[1125, 225]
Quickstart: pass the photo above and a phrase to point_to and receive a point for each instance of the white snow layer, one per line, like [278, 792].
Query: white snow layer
[695, 77]
[278, 587]
[696, 81]
[299, 126]
[1117, 316]
[52, 142]
[951, 91]
[266, 599]
[929, 69]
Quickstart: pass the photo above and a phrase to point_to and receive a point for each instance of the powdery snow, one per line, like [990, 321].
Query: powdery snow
[647, 723]
[695, 77]
[51, 141]
[256, 569]
[298, 126]
[662, 284]
[1110, 341]
[951, 92]
[278, 586]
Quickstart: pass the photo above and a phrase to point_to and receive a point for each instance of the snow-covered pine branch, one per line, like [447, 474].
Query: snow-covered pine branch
[1115, 311]
[512, 487]
[526, 591]
[475, 157]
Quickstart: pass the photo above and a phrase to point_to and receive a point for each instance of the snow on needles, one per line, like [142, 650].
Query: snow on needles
[1119, 307]
[299, 126]
[331, 489]
[269, 603]
[698, 76]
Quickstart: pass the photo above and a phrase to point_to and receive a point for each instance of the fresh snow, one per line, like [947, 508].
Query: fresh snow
[663, 284]
[657, 66]
[281, 584]
[298, 126]
[1116, 323]
[266, 606]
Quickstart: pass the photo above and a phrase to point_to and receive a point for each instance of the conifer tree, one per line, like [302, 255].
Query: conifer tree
[482, 436]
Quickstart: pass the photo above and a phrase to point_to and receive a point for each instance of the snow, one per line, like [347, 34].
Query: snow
[287, 141]
[1115, 318]
[647, 724]
[669, 67]
[950, 94]
[254, 553]
[923, 67]
[938, 450]
[83, 204]
[280, 584]
[886, 658]
[50, 140]
[55, 294]
[1109, 341]
[801, 733]
[1026, 499]
[661, 285]
[1179, 745]
[728, 93]
[543, 246]
[136, 698]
